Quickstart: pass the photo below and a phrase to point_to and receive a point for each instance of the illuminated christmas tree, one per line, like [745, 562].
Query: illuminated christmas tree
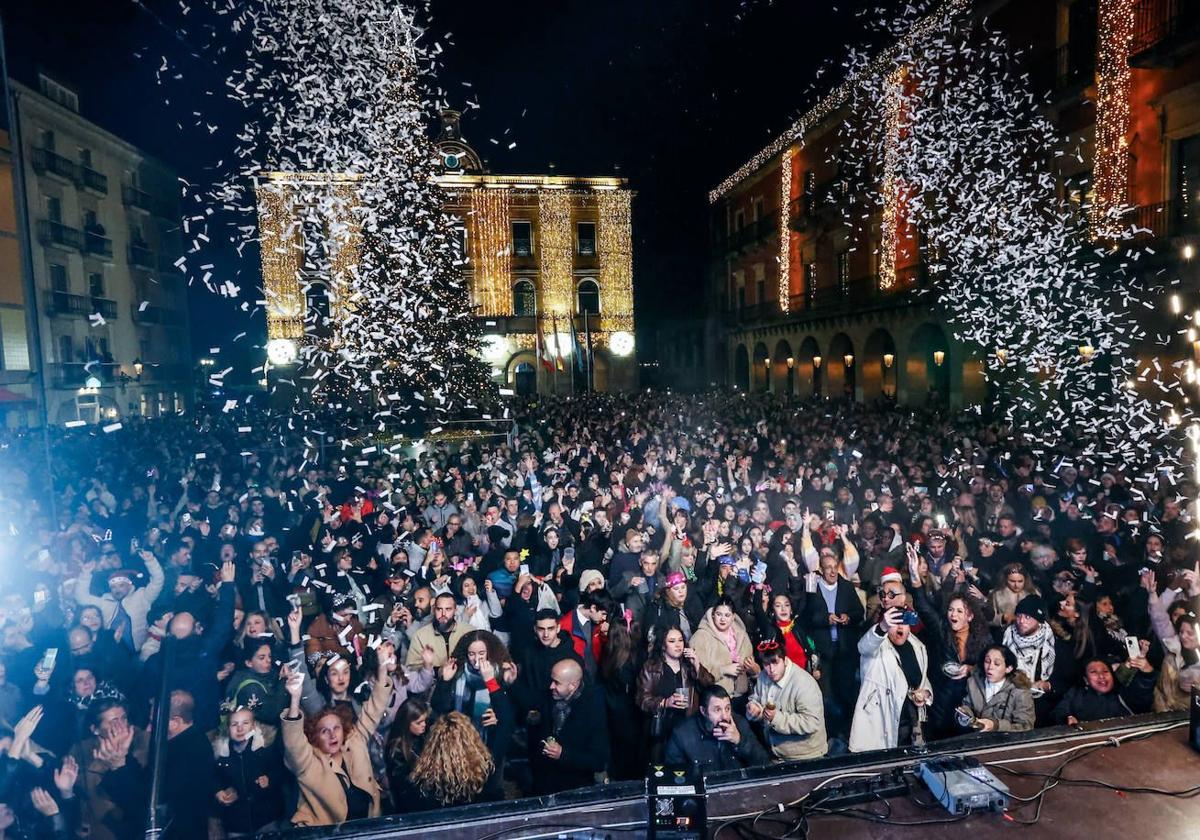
[362, 267]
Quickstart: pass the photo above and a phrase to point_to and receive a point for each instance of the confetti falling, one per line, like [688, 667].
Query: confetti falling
[331, 176]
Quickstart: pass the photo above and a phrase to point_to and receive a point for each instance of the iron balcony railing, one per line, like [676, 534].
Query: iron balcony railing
[142, 257]
[1156, 22]
[95, 180]
[863, 292]
[65, 303]
[47, 161]
[50, 232]
[97, 244]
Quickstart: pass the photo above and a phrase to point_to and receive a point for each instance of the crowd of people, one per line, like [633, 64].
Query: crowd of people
[716, 582]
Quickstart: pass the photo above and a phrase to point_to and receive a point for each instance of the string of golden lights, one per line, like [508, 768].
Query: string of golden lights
[785, 230]
[1111, 168]
[838, 97]
[557, 254]
[890, 191]
[614, 244]
[491, 251]
[280, 262]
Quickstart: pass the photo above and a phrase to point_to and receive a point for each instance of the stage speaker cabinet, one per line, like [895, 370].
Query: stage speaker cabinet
[1194, 719]
[676, 804]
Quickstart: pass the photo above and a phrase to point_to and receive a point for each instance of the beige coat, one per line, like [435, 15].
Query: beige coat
[797, 730]
[428, 636]
[322, 799]
[713, 653]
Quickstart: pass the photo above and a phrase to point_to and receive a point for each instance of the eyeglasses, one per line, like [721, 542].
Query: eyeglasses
[890, 593]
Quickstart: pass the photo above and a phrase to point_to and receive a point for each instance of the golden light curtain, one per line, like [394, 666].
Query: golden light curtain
[615, 252]
[280, 261]
[556, 247]
[491, 251]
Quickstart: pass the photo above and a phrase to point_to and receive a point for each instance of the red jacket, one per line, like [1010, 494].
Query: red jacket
[579, 641]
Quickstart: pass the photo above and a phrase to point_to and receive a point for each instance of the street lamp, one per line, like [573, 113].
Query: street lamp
[939, 356]
[848, 359]
[137, 368]
[816, 361]
[791, 362]
[888, 359]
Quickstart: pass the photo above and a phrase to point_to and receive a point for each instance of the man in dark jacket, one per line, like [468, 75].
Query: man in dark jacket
[716, 739]
[834, 616]
[569, 743]
[190, 773]
[551, 645]
[197, 654]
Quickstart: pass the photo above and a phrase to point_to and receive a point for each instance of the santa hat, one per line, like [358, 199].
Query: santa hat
[890, 575]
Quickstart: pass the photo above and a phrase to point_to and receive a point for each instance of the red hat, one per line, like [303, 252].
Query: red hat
[890, 575]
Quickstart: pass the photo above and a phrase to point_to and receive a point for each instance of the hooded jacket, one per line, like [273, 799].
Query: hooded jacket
[797, 730]
[713, 652]
[255, 805]
[1011, 707]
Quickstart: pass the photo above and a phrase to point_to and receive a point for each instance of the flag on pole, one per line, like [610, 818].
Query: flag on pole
[575, 348]
[541, 355]
[558, 358]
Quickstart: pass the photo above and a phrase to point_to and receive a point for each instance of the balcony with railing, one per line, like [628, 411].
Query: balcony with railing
[55, 234]
[165, 373]
[749, 237]
[97, 244]
[860, 294]
[65, 303]
[1163, 30]
[49, 162]
[152, 315]
[142, 257]
[1075, 65]
[139, 199]
[77, 374]
[94, 180]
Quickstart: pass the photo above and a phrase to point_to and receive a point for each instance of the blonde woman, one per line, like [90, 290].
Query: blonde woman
[454, 768]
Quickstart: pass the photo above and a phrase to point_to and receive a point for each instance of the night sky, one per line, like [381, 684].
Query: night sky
[671, 94]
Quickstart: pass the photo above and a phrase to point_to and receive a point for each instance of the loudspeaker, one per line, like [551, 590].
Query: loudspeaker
[1194, 719]
[676, 804]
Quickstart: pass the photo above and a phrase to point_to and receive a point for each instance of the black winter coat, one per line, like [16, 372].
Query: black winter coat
[692, 744]
[255, 806]
[584, 740]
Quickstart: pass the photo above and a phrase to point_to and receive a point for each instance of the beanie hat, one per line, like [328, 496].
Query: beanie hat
[890, 575]
[1032, 606]
[586, 577]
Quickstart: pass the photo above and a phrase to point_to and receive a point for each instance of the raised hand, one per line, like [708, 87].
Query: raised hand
[228, 572]
[65, 776]
[449, 669]
[23, 731]
[294, 619]
[295, 685]
[387, 658]
[43, 802]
